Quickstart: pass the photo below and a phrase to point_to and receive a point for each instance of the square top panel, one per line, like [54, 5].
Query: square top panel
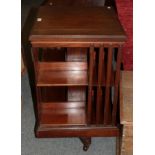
[75, 23]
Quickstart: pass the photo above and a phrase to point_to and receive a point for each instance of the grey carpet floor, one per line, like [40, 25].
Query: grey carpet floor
[54, 146]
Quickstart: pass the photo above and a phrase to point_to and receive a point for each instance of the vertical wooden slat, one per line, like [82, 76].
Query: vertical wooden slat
[98, 105]
[99, 89]
[90, 81]
[107, 89]
[116, 87]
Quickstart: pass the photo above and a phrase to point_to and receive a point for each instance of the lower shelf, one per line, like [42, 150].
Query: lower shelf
[62, 114]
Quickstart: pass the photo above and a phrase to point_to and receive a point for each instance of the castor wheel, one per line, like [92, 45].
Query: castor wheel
[86, 142]
[85, 148]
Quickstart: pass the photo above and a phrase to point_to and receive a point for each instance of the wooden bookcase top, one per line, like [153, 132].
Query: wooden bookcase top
[77, 23]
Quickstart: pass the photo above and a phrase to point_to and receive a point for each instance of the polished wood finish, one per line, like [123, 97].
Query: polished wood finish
[107, 93]
[99, 89]
[77, 66]
[77, 131]
[61, 116]
[62, 66]
[62, 73]
[91, 24]
[28, 25]
[65, 78]
[91, 64]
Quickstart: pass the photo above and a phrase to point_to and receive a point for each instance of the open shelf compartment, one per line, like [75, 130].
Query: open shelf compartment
[63, 117]
[62, 106]
[62, 67]
[62, 73]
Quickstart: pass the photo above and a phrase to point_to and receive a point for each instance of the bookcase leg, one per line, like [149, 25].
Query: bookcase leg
[86, 142]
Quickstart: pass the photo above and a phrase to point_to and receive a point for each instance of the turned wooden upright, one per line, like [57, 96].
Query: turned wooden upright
[77, 57]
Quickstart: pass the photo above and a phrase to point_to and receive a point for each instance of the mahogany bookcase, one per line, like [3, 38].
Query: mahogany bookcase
[77, 55]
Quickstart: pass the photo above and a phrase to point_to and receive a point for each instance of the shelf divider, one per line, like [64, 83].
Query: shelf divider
[116, 87]
[99, 89]
[107, 115]
[62, 78]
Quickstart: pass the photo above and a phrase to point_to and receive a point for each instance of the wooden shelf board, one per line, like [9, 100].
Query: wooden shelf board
[62, 116]
[62, 66]
[67, 78]
[62, 78]
[61, 105]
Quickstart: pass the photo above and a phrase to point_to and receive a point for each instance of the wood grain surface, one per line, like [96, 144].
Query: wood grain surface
[90, 22]
[126, 111]
[126, 108]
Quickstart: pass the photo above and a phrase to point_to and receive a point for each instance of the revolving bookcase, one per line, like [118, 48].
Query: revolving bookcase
[77, 56]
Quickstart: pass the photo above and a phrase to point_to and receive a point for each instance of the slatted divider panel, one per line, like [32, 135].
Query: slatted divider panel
[116, 86]
[107, 113]
[90, 81]
[99, 89]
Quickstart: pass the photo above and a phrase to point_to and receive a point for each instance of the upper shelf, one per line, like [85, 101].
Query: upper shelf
[67, 78]
[62, 74]
[76, 24]
[62, 78]
[67, 74]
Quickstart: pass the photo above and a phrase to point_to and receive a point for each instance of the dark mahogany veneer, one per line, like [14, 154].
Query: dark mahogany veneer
[77, 56]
